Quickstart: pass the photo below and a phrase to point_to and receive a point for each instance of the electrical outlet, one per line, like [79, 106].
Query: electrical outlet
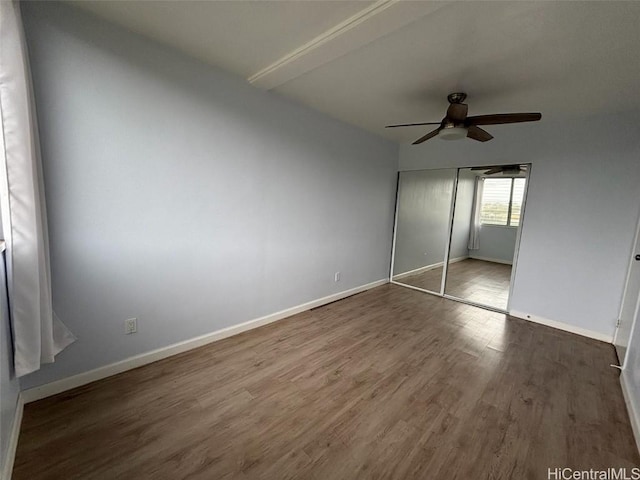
[130, 326]
[337, 277]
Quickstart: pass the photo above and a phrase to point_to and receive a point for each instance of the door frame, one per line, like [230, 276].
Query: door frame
[634, 245]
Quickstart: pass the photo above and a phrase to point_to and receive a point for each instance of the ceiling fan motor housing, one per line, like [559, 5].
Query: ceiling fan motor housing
[452, 132]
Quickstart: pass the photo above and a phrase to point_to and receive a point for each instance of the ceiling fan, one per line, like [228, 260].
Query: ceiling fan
[504, 169]
[457, 125]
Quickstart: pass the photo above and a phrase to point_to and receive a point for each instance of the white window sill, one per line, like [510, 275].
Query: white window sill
[498, 226]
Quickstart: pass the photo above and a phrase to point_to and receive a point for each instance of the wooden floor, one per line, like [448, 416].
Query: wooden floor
[475, 280]
[390, 383]
[479, 281]
[428, 280]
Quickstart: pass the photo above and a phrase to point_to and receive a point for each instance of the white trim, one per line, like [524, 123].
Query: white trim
[324, 37]
[494, 260]
[493, 225]
[616, 343]
[634, 415]
[395, 228]
[426, 268]
[374, 21]
[516, 249]
[7, 469]
[449, 236]
[475, 304]
[418, 289]
[59, 386]
[603, 337]
[459, 259]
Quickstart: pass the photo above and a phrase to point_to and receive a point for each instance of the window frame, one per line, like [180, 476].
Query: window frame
[510, 206]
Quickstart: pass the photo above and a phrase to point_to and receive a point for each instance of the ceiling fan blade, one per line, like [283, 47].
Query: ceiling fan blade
[500, 118]
[476, 133]
[493, 171]
[411, 124]
[427, 136]
[457, 112]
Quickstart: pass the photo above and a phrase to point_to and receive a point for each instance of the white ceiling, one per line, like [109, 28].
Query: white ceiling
[372, 64]
[239, 36]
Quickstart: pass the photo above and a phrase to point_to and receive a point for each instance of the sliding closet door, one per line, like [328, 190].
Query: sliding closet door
[486, 225]
[422, 228]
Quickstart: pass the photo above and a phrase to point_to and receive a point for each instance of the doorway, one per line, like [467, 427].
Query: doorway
[457, 232]
[630, 303]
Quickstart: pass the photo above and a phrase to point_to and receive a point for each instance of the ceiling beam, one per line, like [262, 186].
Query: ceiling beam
[375, 21]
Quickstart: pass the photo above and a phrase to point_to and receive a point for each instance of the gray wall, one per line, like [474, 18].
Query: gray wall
[182, 196]
[496, 243]
[424, 206]
[582, 206]
[9, 385]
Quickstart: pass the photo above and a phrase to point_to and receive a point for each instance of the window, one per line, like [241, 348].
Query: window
[502, 201]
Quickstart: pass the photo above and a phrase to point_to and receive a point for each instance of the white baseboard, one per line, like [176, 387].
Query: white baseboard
[7, 469]
[634, 415]
[563, 326]
[494, 260]
[458, 259]
[426, 268]
[59, 386]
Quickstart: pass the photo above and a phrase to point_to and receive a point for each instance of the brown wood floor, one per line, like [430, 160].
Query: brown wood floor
[390, 383]
[474, 280]
[479, 281]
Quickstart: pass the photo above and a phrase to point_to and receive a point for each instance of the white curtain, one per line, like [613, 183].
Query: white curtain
[37, 334]
[474, 230]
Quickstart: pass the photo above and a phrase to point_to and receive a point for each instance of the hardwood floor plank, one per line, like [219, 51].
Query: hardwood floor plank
[478, 281]
[390, 383]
